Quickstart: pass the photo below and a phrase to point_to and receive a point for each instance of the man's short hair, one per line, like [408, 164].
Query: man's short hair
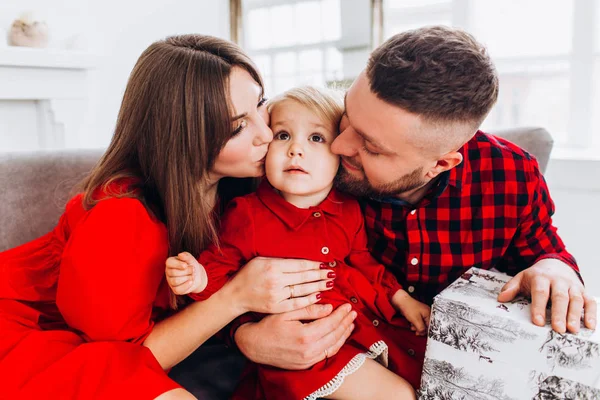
[440, 73]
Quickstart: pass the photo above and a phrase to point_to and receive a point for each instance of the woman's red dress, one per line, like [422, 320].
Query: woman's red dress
[77, 304]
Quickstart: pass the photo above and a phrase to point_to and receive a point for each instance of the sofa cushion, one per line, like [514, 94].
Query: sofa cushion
[34, 188]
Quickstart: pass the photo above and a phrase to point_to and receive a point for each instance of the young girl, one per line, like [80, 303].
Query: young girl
[298, 214]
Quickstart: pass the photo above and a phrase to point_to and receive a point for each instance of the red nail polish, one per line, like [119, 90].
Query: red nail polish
[319, 296]
[331, 274]
[323, 266]
[330, 284]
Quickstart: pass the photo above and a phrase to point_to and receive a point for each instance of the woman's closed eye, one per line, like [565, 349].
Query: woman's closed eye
[243, 123]
[240, 127]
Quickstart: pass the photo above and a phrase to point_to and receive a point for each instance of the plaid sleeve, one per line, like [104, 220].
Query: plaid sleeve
[536, 238]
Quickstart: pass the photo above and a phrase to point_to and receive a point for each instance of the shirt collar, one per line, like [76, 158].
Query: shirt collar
[458, 174]
[291, 215]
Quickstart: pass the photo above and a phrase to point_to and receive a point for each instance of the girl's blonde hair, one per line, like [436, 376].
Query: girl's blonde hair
[328, 104]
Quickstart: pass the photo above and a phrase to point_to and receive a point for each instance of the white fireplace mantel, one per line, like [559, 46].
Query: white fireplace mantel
[43, 97]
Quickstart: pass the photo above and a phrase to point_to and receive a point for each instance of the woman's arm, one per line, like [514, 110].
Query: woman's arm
[176, 337]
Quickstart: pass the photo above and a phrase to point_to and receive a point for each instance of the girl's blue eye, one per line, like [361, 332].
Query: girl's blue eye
[282, 136]
[317, 138]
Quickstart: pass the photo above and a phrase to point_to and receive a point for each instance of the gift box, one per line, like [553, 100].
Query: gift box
[478, 348]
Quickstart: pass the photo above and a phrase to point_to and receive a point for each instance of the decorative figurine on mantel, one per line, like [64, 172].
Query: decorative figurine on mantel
[27, 31]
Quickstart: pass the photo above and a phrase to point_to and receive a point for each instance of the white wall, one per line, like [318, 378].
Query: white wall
[575, 188]
[116, 32]
[123, 29]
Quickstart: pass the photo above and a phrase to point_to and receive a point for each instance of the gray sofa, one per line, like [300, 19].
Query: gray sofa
[34, 188]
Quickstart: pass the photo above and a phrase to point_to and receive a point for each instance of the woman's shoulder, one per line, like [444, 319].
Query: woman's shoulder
[123, 213]
[112, 209]
[117, 228]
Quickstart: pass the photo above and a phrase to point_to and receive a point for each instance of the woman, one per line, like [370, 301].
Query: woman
[85, 309]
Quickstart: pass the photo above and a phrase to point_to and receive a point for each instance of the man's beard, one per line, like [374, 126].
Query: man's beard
[346, 182]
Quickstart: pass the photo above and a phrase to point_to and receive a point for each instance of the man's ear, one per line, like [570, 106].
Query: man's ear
[445, 163]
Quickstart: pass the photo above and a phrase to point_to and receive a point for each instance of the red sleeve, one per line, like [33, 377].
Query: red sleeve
[236, 247]
[536, 236]
[382, 279]
[111, 271]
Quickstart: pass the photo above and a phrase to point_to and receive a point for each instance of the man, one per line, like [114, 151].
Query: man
[439, 196]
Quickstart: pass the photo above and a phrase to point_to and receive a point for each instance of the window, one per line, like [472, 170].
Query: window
[293, 42]
[547, 54]
[402, 15]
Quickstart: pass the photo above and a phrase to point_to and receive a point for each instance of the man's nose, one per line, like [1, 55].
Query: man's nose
[346, 143]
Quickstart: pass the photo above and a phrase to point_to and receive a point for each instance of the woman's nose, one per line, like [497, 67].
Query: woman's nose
[264, 134]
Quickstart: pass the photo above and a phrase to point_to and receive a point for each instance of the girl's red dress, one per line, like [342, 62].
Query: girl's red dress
[77, 304]
[264, 224]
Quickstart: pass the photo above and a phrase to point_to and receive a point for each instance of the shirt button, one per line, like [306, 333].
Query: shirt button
[375, 322]
[316, 214]
[414, 261]
[411, 352]
[325, 250]
[332, 263]
[413, 212]
[411, 289]
[354, 300]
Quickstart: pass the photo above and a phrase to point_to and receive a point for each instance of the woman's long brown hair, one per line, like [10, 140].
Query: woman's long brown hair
[174, 120]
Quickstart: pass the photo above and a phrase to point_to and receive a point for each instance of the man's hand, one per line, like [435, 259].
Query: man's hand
[284, 341]
[551, 279]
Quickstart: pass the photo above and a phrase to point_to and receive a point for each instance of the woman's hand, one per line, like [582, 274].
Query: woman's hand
[185, 274]
[273, 285]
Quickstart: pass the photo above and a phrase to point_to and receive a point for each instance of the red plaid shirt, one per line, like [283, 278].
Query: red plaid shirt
[491, 211]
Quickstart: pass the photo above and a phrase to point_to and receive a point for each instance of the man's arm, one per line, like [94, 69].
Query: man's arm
[552, 272]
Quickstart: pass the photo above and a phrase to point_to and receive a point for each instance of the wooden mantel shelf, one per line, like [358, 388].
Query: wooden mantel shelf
[46, 58]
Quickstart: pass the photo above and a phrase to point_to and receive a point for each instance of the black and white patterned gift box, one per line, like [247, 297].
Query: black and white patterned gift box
[478, 348]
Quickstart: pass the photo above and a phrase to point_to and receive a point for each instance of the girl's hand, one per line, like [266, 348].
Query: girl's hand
[413, 310]
[273, 285]
[185, 274]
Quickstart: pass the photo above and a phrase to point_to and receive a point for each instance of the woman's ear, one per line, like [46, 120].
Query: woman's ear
[445, 163]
